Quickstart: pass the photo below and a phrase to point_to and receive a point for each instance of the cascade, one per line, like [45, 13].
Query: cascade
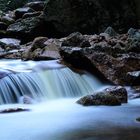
[46, 84]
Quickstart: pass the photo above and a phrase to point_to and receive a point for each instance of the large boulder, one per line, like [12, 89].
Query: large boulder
[89, 16]
[112, 56]
[99, 99]
[42, 48]
[110, 96]
[28, 28]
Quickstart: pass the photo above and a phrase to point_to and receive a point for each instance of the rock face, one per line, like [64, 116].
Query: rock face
[89, 16]
[110, 96]
[114, 57]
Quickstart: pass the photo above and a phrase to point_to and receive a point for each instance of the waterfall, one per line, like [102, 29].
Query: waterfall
[48, 84]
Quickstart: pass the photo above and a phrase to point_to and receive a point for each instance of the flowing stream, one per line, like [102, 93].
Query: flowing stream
[44, 81]
[56, 116]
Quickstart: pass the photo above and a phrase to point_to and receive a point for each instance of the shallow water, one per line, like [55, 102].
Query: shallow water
[18, 65]
[63, 119]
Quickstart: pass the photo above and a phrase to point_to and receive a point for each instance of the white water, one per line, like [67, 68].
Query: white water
[44, 80]
[65, 120]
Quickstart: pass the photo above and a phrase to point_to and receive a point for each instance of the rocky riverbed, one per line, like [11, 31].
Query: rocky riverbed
[38, 32]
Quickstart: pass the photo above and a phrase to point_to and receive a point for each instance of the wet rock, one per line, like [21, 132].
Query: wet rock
[21, 11]
[119, 92]
[109, 96]
[89, 16]
[112, 57]
[13, 110]
[36, 5]
[10, 43]
[99, 99]
[26, 100]
[134, 92]
[134, 77]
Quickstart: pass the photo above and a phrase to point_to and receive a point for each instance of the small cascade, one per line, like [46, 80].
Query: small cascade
[14, 86]
[65, 83]
[48, 84]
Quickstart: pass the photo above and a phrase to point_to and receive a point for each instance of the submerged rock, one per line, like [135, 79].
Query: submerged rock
[4, 73]
[109, 96]
[26, 100]
[13, 110]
